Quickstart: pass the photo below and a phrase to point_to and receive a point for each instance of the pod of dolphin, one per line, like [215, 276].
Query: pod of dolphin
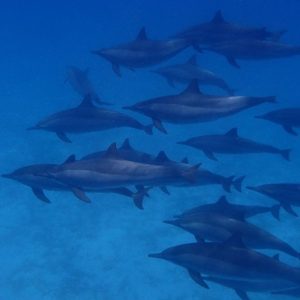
[225, 248]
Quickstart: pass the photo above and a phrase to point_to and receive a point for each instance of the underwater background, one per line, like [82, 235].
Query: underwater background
[70, 250]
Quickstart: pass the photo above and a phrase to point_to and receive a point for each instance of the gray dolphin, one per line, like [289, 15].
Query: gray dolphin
[253, 50]
[218, 228]
[231, 143]
[87, 118]
[184, 73]
[142, 52]
[35, 176]
[80, 82]
[239, 211]
[288, 118]
[191, 106]
[219, 30]
[287, 194]
[113, 171]
[228, 260]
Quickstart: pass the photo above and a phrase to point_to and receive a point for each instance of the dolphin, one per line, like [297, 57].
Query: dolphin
[219, 30]
[287, 194]
[224, 207]
[184, 73]
[288, 118]
[228, 260]
[35, 176]
[112, 171]
[80, 82]
[253, 50]
[231, 143]
[142, 52]
[87, 118]
[191, 106]
[218, 228]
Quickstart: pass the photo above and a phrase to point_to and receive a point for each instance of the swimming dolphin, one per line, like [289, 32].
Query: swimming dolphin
[191, 106]
[142, 52]
[228, 260]
[219, 30]
[80, 82]
[87, 118]
[288, 118]
[218, 228]
[35, 176]
[287, 194]
[231, 143]
[253, 50]
[224, 207]
[113, 171]
[184, 73]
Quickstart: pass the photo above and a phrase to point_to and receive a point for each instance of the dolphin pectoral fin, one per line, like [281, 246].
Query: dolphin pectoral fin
[290, 130]
[40, 195]
[170, 82]
[289, 209]
[80, 195]
[275, 211]
[63, 137]
[165, 190]
[233, 62]
[242, 294]
[210, 155]
[158, 125]
[116, 69]
[197, 277]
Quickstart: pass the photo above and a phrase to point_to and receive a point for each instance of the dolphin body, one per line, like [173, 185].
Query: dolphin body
[235, 211]
[202, 176]
[287, 194]
[253, 50]
[142, 52]
[35, 176]
[87, 118]
[288, 118]
[219, 30]
[80, 82]
[231, 143]
[185, 73]
[228, 260]
[218, 228]
[191, 106]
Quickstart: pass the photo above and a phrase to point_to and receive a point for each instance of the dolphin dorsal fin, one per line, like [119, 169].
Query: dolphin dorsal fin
[126, 145]
[162, 157]
[232, 132]
[86, 102]
[192, 88]
[222, 200]
[218, 18]
[235, 241]
[192, 60]
[142, 35]
[111, 151]
[70, 159]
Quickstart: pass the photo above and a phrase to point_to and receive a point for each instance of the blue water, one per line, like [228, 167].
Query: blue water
[70, 250]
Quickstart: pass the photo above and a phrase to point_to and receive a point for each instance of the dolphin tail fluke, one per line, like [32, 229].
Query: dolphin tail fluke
[275, 210]
[149, 129]
[237, 183]
[286, 154]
